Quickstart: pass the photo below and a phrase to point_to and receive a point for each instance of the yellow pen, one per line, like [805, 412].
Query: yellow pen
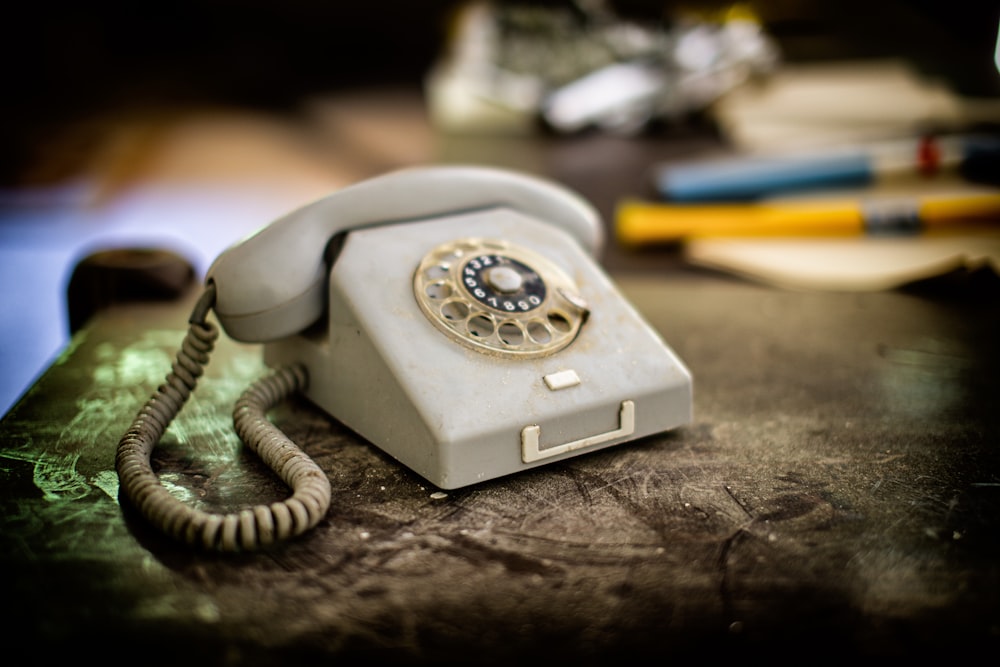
[641, 222]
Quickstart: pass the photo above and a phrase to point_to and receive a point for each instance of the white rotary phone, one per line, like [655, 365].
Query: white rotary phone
[453, 316]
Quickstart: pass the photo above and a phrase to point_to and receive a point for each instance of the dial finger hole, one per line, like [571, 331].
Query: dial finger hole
[559, 322]
[511, 334]
[454, 310]
[538, 332]
[436, 271]
[438, 290]
[481, 326]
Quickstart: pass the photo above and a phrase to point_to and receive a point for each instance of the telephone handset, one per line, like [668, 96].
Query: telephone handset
[273, 284]
[453, 316]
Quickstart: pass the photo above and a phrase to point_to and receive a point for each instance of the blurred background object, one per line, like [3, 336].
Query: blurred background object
[582, 65]
[73, 69]
[180, 127]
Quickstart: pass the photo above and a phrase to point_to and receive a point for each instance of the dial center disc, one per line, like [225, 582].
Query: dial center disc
[504, 279]
[503, 283]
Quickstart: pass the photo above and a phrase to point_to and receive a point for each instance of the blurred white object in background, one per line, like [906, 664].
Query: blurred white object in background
[507, 67]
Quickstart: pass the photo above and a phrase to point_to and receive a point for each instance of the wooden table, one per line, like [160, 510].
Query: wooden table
[838, 494]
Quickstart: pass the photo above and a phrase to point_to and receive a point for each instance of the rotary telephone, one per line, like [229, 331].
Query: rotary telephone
[453, 316]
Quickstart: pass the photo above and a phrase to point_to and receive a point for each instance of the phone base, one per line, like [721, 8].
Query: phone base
[457, 415]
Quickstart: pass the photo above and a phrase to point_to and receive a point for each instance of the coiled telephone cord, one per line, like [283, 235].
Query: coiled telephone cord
[246, 530]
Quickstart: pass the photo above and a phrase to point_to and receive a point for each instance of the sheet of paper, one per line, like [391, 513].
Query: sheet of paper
[848, 264]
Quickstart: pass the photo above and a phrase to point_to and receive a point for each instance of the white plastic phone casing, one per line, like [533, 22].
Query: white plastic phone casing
[456, 415]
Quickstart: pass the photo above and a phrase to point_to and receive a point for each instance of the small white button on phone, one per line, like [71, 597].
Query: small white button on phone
[561, 380]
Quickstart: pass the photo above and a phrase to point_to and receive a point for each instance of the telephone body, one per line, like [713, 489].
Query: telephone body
[453, 316]
[477, 337]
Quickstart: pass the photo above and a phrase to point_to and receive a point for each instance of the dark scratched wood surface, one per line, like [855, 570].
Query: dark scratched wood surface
[837, 494]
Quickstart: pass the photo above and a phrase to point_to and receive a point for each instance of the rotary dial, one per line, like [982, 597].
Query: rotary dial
[496, 297]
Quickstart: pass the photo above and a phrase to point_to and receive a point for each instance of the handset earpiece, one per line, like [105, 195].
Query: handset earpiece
[272, 284]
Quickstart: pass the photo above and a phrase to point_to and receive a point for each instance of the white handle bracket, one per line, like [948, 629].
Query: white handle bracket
[530, 451]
